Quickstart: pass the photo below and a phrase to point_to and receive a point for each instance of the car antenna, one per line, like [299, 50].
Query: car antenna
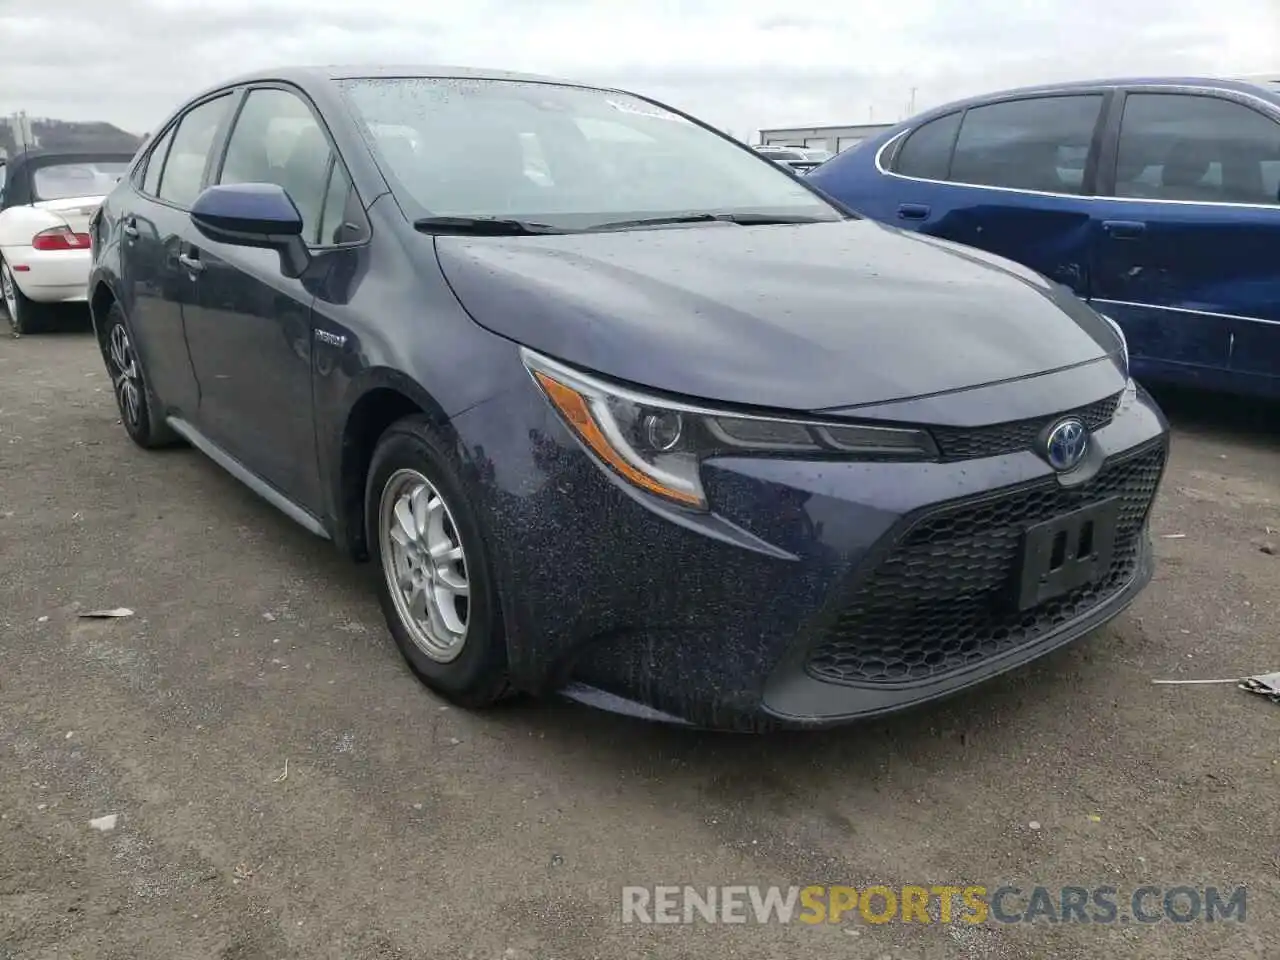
[21, 116]
[19, 120]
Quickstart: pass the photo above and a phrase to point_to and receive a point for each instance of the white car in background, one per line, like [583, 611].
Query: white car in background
[800, 159]
[46, 200]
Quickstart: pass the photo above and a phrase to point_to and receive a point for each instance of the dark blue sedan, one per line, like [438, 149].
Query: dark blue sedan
[616, 407]
[1157, 200]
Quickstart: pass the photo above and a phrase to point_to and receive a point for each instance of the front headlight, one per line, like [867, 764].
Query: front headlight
[1124, 342]
[658, 445]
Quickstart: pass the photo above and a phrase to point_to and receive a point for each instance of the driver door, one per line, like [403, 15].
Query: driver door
[250, 331]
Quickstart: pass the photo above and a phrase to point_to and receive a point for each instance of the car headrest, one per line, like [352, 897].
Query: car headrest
[247, 162]
[1132, 163]
[399, 152]
[1187, 163]
[310, 150]
[492, 151]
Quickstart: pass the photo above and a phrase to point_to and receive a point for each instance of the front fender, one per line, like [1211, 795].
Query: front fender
[355, 403]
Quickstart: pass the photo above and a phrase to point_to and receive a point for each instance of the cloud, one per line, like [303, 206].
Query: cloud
[741, 64]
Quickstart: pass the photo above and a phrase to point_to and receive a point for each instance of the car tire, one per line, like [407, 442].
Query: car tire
[426, 544]
[139, 409]
[25, 315]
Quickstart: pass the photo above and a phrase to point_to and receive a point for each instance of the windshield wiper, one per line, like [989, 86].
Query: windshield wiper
[744, 219]
[752, 219]
[484, 226]
[499, 227]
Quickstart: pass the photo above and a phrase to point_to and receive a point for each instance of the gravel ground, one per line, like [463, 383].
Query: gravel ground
[408, 829]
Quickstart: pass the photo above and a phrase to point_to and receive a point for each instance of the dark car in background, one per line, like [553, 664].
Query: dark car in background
[653, 425]
[1158, 200]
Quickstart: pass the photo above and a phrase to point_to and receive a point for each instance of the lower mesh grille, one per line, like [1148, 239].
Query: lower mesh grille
[943, 598]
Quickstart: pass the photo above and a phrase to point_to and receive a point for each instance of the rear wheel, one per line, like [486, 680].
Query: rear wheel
[25, 315]
[139, 411]
[436, 586]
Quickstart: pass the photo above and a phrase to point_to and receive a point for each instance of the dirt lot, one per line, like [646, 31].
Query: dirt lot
[406, 829]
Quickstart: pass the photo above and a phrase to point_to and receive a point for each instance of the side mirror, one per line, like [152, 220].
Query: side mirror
[254, 215]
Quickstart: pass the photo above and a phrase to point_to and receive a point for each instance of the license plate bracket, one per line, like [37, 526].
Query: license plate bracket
[1067, 552]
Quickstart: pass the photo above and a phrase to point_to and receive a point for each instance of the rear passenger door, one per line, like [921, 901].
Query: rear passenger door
[1186, 255]
[154, 227]
[912, 193]
[1019, 177]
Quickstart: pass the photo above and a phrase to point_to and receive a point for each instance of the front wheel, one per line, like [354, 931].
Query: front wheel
[25, 315]
[435, 585]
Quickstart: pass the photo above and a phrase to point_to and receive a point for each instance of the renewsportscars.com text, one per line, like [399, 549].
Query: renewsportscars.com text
[943, 904]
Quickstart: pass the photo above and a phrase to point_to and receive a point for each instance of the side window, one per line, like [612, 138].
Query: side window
[183, 172]
[1037, 144]
[1205, 149]
[276, 139]
[342, 220]
[927, 152]
[155, 163]
[1271, 177]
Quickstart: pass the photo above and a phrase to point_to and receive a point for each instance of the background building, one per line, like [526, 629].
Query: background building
[834, 139]
[19, 131]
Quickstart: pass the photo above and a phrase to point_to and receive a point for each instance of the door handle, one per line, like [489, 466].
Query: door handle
[130, 229]
[913, 211]
[191, 263]
[1124, 229]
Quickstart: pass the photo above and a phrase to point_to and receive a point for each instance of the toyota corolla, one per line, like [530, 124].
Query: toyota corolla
[617, 408]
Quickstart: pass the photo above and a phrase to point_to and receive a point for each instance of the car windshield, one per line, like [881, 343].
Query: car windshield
[569, 157]
[89, 178]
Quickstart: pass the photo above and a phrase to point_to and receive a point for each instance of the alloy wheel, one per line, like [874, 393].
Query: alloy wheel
[124, 375]
[9, 291]
[425, 565]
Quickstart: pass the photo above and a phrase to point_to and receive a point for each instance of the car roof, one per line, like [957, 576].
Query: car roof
[1252, 87]
[18, 190]
[42, 156]
[315, 79]
[305, 76]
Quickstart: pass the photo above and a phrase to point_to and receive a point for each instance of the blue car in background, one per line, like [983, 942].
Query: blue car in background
[1158, 200]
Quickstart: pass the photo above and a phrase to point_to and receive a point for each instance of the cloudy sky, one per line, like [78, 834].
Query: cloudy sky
[741, 64]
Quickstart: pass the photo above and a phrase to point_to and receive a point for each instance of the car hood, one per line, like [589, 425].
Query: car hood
[794, 317]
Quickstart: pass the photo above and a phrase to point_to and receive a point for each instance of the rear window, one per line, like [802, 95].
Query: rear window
[927, 152]
[90, 178]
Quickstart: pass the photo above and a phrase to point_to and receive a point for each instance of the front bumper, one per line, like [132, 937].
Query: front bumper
[815, 593]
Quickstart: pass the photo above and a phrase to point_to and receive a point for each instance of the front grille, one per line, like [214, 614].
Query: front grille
[970, 443]
[943, 598]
